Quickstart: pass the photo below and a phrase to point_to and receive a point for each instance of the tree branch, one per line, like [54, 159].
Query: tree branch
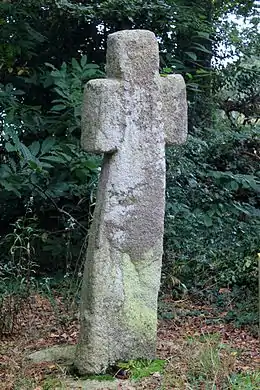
[58, 208]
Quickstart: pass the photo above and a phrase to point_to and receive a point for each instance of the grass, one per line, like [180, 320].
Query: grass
[53, 384]
[248, 381]
[23, 383]
[203, 362]
[142, 368]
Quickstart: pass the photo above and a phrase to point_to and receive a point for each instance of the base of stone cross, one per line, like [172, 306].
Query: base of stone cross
[64, 355]
[58, 354]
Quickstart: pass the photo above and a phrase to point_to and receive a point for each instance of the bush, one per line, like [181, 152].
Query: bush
[212, 214]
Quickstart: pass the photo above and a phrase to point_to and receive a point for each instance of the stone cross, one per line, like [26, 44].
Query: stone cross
[129, 117]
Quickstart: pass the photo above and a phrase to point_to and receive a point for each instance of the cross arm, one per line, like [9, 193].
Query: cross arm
[102, 116]
[174, 109]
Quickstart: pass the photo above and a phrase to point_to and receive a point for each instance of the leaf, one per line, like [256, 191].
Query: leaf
[58, 107]
[63, 67]
[76, 65]
[192, 55]
[48, 82]
[234, 185]
[241, 209]
[59, 188]
[47, 145]
[56, 159]
[10, 132]
[91, 66]
[83, 61]
[205, 35]
[200, 47]
[46, 165]
[68, 149]
[10, 187]
[35, 148]
[80, 174]
[18, 92]
[10, 148]
[35, 165]
[26, 152]
[61, 93]
[207, 220]
[5, 171]
[50, 65]
[193, 87]
[65, 156]
[91, 165]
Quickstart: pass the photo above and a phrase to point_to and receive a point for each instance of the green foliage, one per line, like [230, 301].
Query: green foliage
[17, 270]
[206, 364]
[243, 311]
[68, 84]
[52, 383]
[247, 381]
[238, 89]
[13, 295]
[200, 362]
[44, 166]
[43, 72]
[142, 368]
[212, 214]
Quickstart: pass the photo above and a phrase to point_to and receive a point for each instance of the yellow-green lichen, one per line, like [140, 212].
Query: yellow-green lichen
[140, 307]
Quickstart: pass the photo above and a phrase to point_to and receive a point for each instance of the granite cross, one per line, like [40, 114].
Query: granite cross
[129, 117]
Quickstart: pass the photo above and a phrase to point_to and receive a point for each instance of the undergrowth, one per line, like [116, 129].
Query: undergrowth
[203, 362]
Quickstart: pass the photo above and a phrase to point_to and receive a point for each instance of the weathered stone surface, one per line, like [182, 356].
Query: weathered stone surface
[58, 353]
[129, 117]
[97, 385]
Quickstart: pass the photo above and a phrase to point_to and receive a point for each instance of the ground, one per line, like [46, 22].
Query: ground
[200, 349]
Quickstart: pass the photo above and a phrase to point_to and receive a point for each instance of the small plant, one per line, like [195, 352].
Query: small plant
[17, 270]
[52, 383]
[201, 362]
[24, 383]
[247, 381]
[141, 368]
[13, 296]
[211, 361]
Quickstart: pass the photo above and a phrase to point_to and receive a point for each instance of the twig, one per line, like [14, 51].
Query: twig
[58, 208]
[252, 155]
[181, 300]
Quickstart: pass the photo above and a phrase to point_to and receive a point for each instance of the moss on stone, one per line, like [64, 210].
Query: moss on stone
[139, 293]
